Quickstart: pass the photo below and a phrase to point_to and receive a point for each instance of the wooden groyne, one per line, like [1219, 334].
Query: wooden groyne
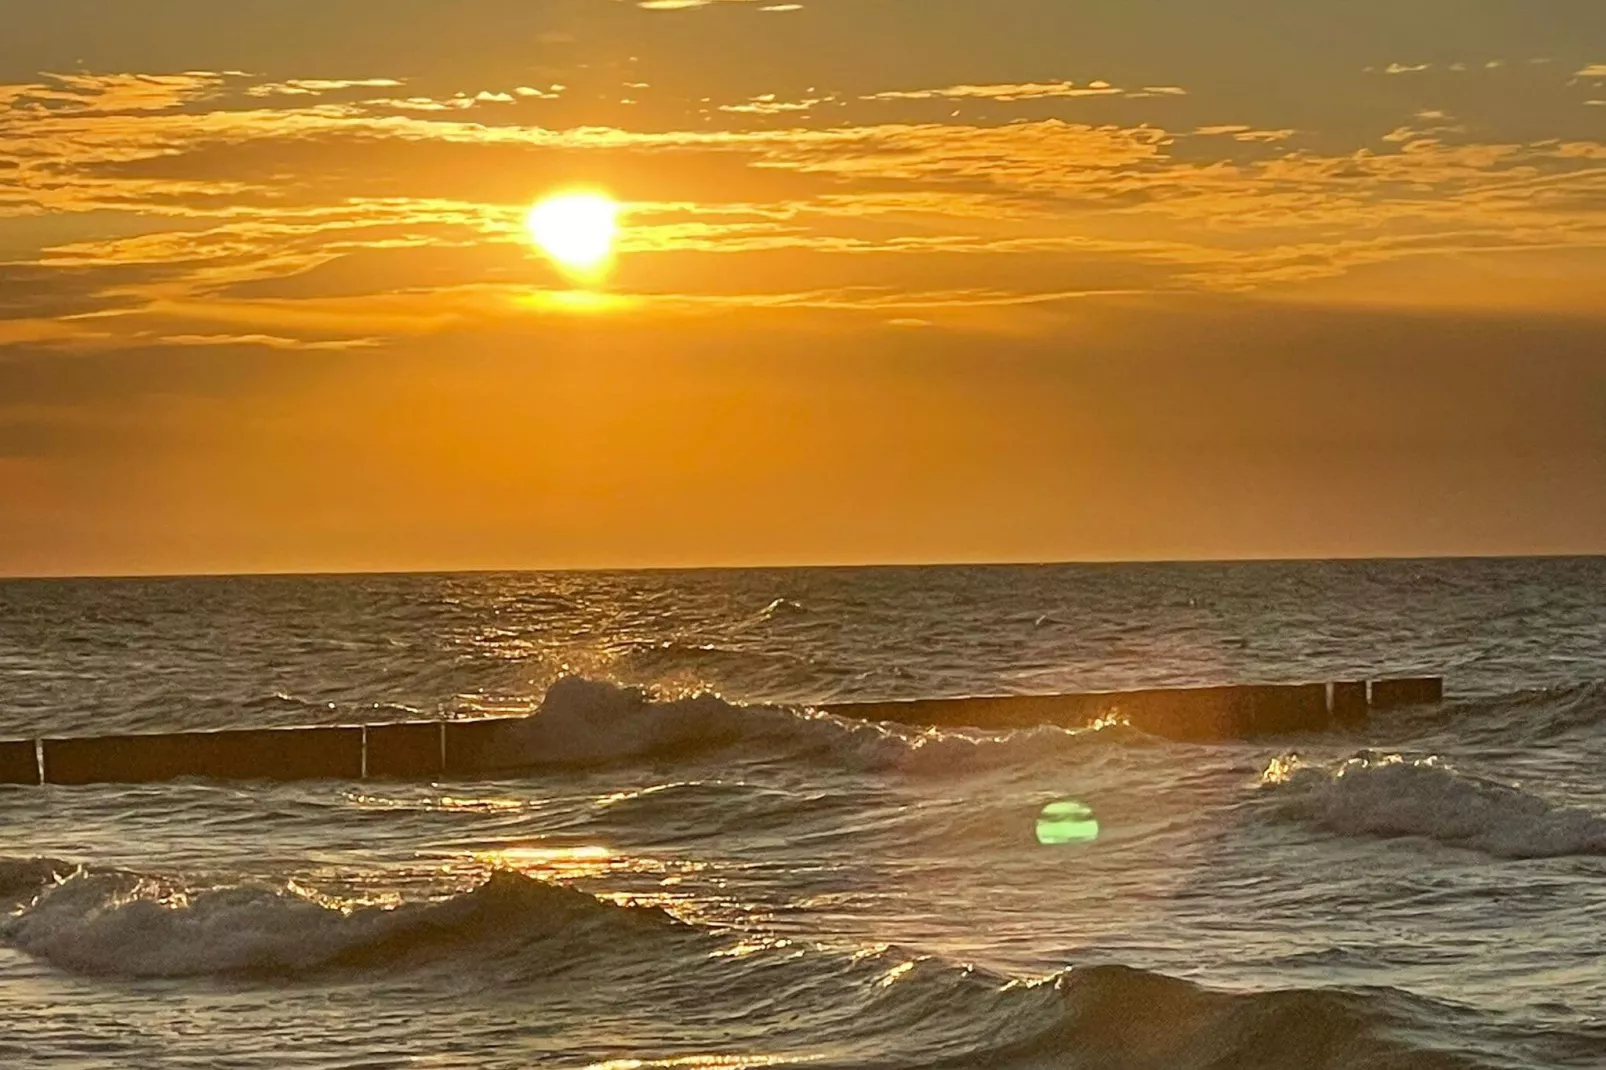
[424, 750]
[1197, 714]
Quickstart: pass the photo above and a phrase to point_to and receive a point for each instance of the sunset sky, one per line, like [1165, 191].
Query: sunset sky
[895, 280]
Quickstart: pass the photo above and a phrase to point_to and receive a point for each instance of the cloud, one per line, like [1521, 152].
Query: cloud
[268, 340]
[1245, 133]
[44, 291]
[1014, 92]
[313, 87]
[286, 219]
[683, 5]
[766, 104]
[459, 101]
[1005, 92]
[114, 93]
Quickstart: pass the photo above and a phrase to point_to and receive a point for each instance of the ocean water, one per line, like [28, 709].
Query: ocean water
[696, 869]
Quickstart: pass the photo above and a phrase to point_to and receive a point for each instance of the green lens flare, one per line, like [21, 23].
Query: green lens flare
[1065, 822]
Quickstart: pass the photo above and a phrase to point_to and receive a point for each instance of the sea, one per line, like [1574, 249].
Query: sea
[696, 867]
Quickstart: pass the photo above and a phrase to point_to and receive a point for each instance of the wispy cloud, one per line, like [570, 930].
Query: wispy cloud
[269, 341]
[1244, 133]
[282, 215]
[113, 93]
[313, 87]
[1006, 92]
[683, 5]
[767, 104]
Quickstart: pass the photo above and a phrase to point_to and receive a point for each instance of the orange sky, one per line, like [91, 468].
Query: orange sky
[907, 280]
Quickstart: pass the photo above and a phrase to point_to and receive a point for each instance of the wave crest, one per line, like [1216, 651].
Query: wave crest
[1390, 795]
[931, 1011]
[588, 724]
[1121, 1017]
[1541, 714]
[1118, 1017]
[21, 878]
[121, 924]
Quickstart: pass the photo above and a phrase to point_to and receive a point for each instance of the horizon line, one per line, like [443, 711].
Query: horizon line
[795, 567]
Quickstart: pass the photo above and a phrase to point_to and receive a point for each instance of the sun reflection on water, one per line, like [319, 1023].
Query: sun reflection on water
[704, 1062]
[438, 804]
[553, 863]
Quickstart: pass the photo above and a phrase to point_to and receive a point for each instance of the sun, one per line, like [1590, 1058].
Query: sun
[577, 230]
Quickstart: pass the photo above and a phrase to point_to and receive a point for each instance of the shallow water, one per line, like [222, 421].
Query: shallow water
[685, 880]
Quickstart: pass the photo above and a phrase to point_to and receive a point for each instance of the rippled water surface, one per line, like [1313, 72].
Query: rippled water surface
[695, 869]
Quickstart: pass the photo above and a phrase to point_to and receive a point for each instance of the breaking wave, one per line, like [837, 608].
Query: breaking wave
[1535, 715]
[1119, 1018]
[931, 1011]
[1390, 795]
[122, 924]
[21, 878]
[588, 724]
[782, 607]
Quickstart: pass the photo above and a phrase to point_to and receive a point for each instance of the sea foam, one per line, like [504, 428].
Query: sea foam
[122, 924]
[935, 1011]
[1390, 795]
[591, 724]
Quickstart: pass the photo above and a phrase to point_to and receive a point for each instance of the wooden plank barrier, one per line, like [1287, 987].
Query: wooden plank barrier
[478, 746]
[19, 762]
[1419, 691]
[1196, 714]
[252, 754]
[1349, 704]
[413, 750]
[1187, 714]
[422, 750]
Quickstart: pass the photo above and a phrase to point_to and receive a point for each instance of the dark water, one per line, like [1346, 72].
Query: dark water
[696, 881]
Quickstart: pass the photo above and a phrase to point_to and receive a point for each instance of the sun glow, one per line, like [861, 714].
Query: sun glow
[576, 230]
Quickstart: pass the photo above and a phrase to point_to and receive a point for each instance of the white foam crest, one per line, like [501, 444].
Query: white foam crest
[101, 923]
[1391, 795]
[590, 723]
[128, 925]
[23, 877]
[782, 607]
